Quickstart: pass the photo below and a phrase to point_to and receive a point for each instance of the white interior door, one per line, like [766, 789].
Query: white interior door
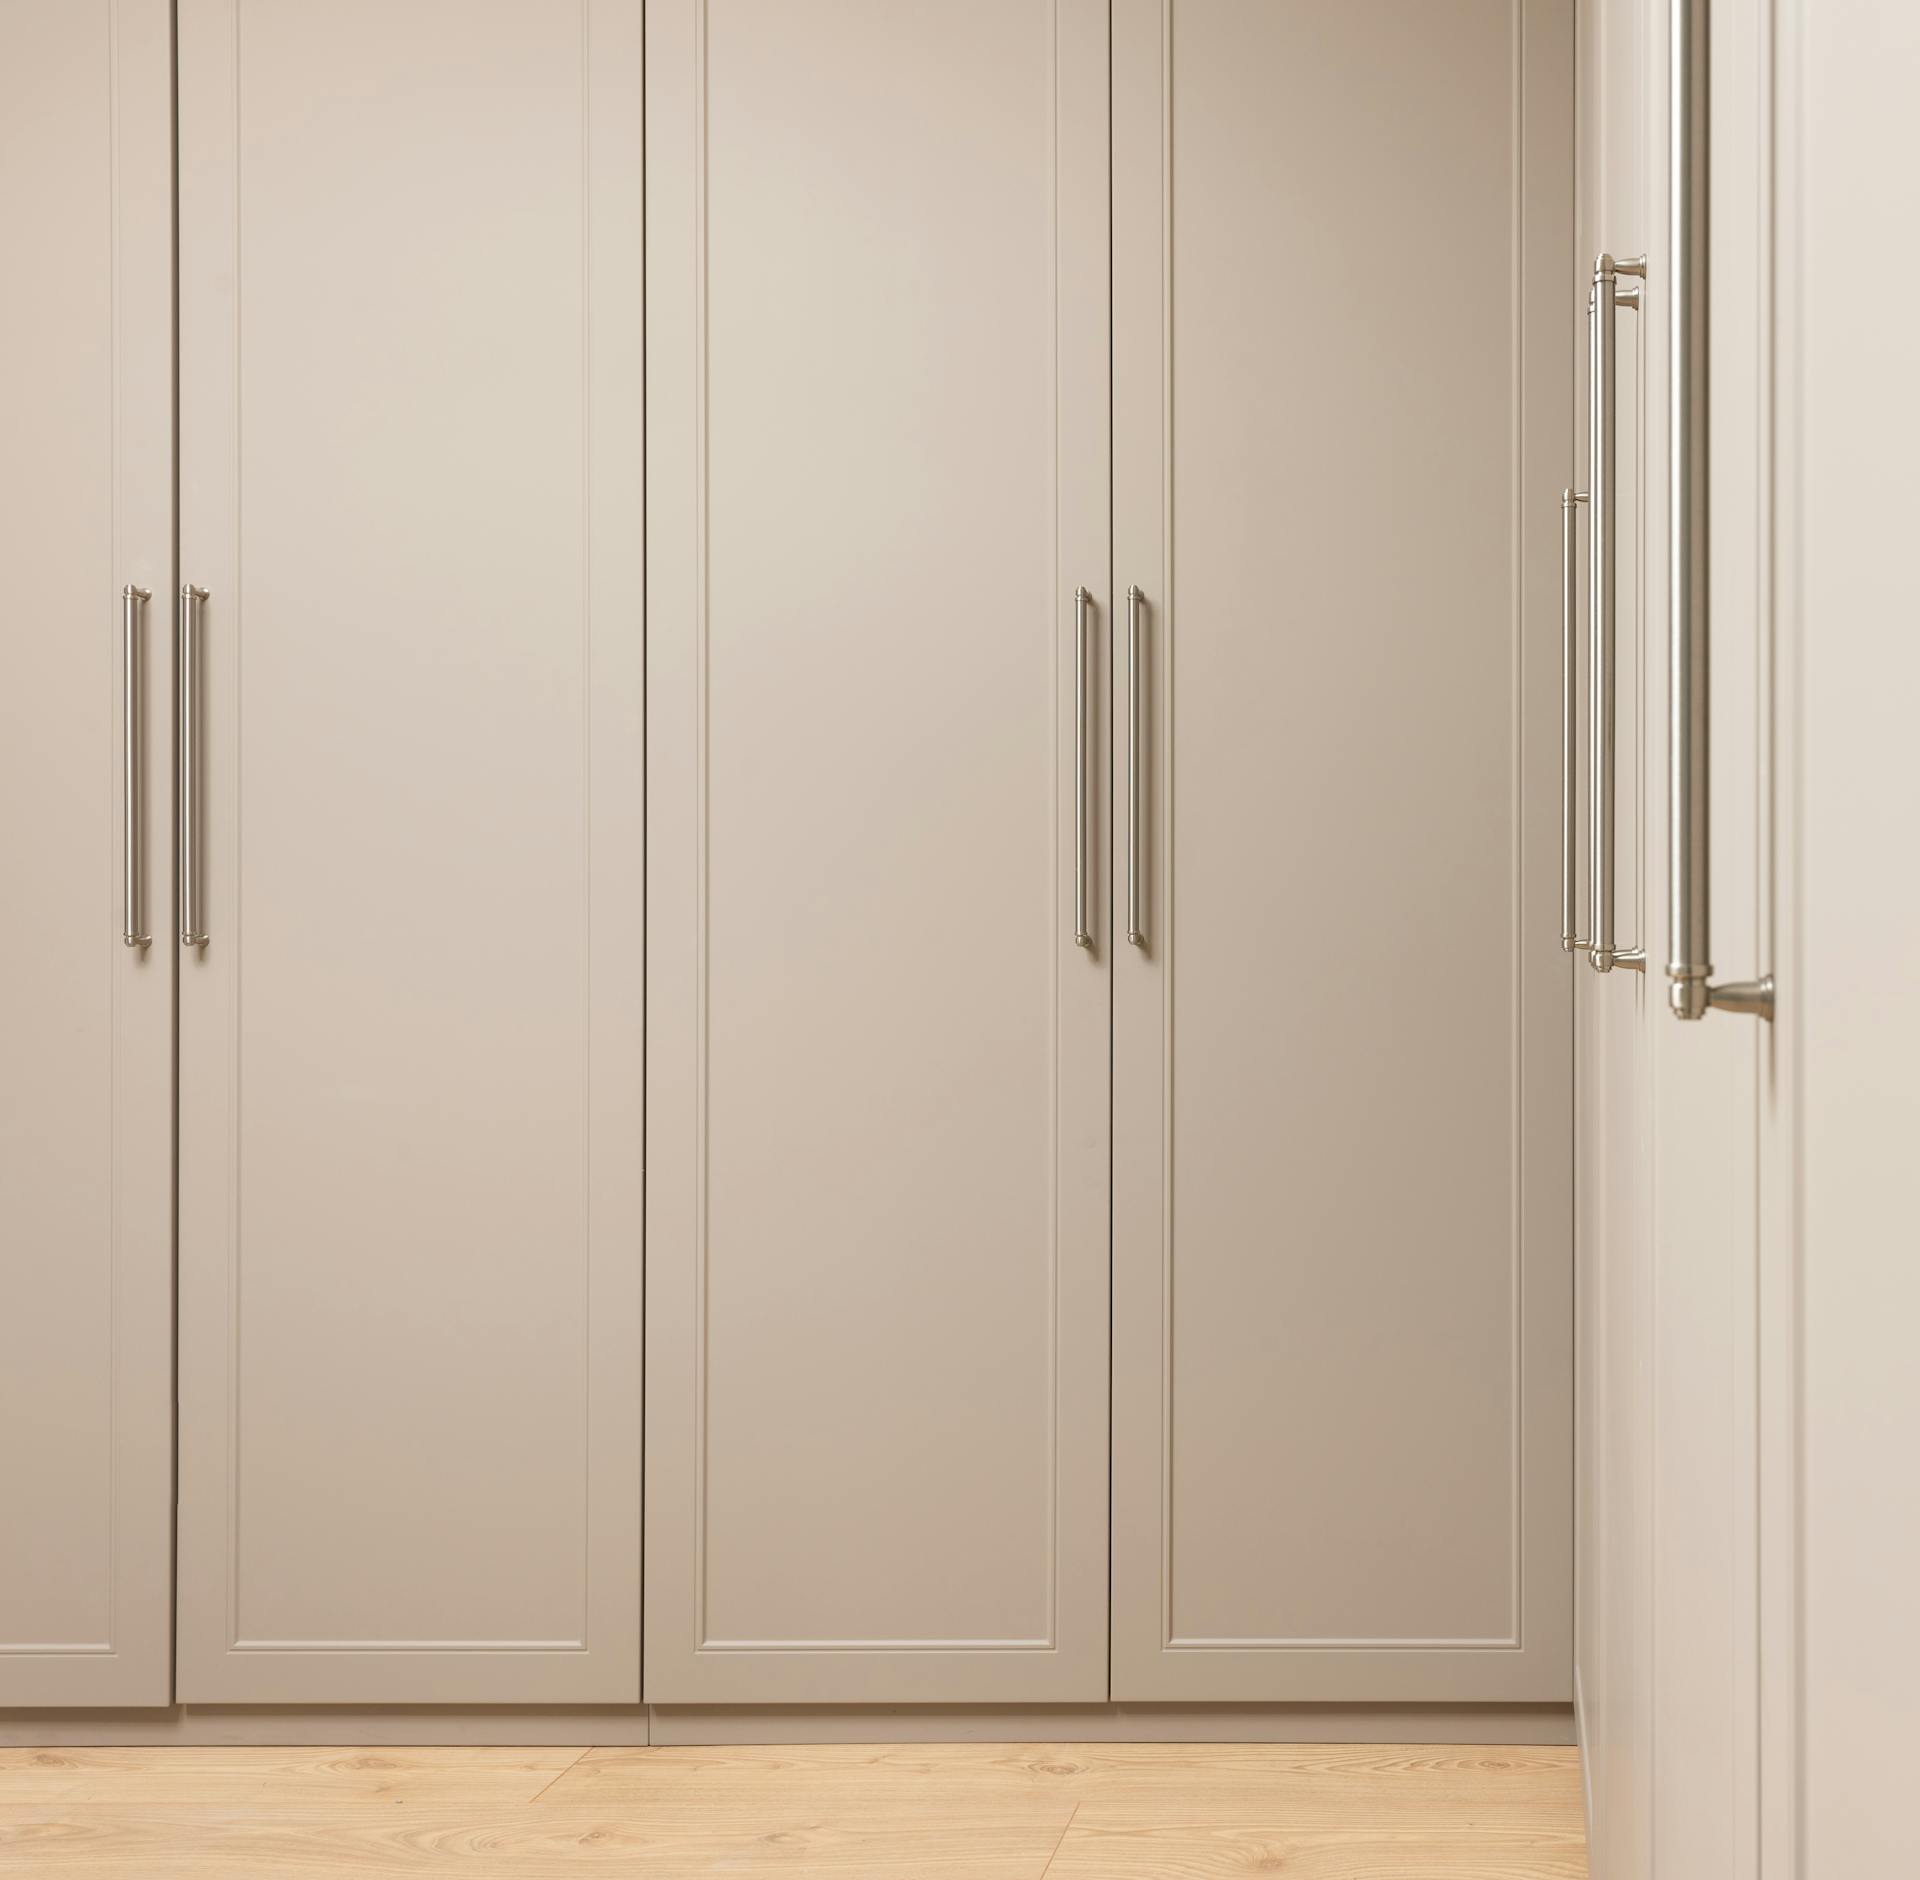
[1342, 1391]
[411, 1049]
[877, 1060]
[86, 1021]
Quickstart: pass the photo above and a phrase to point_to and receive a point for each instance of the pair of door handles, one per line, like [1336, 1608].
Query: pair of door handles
[133, 761]
[1083, 606]
[1606, 298]
[1691, 993]
[191, 811]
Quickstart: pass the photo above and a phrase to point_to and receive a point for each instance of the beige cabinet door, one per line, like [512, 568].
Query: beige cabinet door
[86, 1020]
[1343, 286]
[878, 469]
[410, 1048]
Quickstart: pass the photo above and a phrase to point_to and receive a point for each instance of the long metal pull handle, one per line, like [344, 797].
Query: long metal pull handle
[193, 928]
[1691, 991]
[1136, 772]
[1607, 298]
[133, 765]
[1570, 940]
[1082, 605]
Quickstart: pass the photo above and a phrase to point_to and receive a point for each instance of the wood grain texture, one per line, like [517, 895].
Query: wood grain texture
[1200, 1852]
[1139, 1783]
[374, 1842]
[982, 1811]
[270, 1778]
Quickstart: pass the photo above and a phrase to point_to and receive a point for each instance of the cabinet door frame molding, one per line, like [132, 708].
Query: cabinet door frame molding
[412, 1397]
[86, 1247]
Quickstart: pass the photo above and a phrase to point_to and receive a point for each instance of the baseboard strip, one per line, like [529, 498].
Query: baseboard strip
[628, 1725]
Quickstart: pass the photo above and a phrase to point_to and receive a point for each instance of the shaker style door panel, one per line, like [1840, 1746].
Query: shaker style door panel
[86, 1018]
[877, 1246]
[1343, 267]
[410, 1045]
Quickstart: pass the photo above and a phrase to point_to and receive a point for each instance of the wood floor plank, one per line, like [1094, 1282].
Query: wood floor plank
[1332, 1785]
[838, 1811]
[402, 1841]
[1093, 1850]
[230, 1778]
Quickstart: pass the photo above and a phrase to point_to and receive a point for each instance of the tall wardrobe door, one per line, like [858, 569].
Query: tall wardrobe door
[1343, 267]
[1623, 162]
[877, 373]
[410, 1040]
[86, 1018]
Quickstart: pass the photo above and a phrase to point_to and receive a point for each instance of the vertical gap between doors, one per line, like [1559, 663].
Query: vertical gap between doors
[1113, 801]
[173, 768]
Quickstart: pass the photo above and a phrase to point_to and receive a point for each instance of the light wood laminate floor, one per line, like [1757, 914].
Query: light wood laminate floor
[929, 1812]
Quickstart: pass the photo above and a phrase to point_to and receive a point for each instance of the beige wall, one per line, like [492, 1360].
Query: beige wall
[1856, 160]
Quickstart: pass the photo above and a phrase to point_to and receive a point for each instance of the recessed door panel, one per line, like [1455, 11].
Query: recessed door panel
[86, 1019]
[411, 1045]
[878, 1160]
[1342, 265]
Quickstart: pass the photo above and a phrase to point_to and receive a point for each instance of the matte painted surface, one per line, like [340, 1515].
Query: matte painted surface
[1343, 1416]
[1857, 153]
[411, 1055]
[206, 1725]
[86, 482]
[1677, 1120]
[1623, 167]
[878, 1157]
[1713, 1089]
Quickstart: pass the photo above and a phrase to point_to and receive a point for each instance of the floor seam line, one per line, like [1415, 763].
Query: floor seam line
[569, 1769]
[1066, 1828]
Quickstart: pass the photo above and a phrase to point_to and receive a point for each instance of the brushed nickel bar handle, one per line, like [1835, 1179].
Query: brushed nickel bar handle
[1605, 300]
[1690, 990]
[1082, 933]
[133, 765]
[1570, 941]
[1136, 775]
[193, 929]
